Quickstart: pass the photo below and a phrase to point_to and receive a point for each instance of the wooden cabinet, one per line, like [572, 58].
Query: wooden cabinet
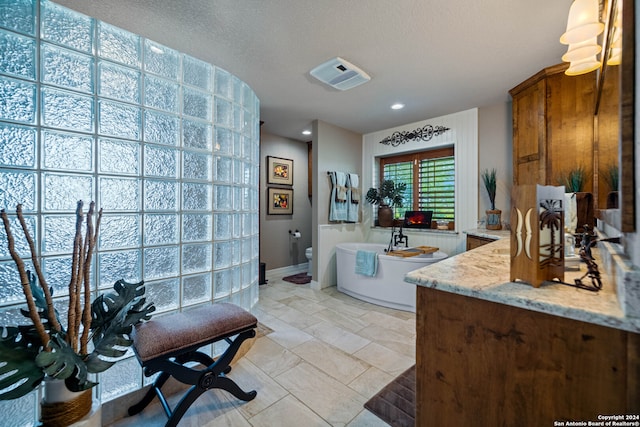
[483, 363]
[553, 126]
[477, 241]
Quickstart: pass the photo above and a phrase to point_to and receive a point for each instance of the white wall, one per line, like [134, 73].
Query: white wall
[277, 249]
[463, 136]
[495, 150]
[334, 149]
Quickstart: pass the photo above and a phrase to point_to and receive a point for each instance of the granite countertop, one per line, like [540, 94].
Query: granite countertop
[488, 234]
[484, 272]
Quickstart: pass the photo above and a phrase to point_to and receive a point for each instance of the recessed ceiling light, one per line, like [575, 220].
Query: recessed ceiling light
[397, 106]
[306, 132]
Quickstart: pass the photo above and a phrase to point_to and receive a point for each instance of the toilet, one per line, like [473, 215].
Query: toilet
[309, 254]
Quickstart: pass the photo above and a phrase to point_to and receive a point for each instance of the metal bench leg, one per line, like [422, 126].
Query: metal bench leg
[184, 404]
[213, 376]
[148, 397]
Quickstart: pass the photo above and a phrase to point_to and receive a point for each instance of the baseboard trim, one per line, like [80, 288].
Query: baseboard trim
[286, 271]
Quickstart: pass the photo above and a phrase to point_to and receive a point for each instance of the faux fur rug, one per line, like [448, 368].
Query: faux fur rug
[396, 402]
[298, 279]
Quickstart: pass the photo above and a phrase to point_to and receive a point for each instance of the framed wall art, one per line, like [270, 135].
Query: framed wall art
[280, 201]
[279, 171]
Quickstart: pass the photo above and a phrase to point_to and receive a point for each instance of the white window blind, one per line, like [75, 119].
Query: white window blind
[401, 172]
[437, 187]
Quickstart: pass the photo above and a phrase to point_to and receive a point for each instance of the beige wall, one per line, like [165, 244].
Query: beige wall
[277, 249]
[495, 141]
[334, 149]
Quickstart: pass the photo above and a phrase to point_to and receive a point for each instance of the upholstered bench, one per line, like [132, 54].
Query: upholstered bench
[166, 344]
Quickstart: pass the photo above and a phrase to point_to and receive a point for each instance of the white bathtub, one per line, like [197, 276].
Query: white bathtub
[387, 287]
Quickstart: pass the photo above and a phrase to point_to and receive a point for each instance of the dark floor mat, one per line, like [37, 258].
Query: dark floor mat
[395, 403]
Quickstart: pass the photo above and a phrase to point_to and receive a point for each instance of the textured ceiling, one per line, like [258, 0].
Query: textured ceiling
[437, 57]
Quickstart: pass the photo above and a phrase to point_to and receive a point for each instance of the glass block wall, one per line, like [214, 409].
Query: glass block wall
[166, 144]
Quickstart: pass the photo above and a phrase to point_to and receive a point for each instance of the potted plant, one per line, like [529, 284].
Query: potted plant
[573, 180]
[387, 196]
[494, 221]
[91, 339]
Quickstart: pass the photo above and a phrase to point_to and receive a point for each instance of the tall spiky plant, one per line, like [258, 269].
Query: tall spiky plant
[490, 183]
[574, 180]
[612, 177]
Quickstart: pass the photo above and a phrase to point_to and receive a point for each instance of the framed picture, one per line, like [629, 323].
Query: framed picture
[279, 171]
[280, 201]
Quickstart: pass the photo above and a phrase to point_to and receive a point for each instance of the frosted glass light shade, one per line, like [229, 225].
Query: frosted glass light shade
[583, 67]
[615, 52]
[583, 23]
[580, 51]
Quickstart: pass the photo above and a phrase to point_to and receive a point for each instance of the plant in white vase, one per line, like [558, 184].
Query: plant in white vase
[93, 336]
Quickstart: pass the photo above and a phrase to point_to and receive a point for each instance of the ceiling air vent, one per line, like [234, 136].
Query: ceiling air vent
[340, 74]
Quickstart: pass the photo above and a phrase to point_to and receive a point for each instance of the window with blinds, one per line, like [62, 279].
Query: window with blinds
[430, 179]
[436, 179]
[401, 172]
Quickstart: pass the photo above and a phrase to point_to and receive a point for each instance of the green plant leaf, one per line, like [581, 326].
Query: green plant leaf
[114, 315]
[64, 364]
[490, 183]
[573, 180]
[18, 370]
[373, 197]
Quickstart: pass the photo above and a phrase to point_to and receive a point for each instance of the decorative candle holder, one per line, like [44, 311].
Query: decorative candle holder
[537, 234]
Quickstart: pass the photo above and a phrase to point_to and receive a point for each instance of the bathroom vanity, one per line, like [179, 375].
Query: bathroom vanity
[491, 352]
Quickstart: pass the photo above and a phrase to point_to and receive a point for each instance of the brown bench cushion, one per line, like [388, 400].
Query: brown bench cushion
[173, 334]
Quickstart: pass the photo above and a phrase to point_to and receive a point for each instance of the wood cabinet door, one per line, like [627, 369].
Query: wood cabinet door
[570, 126]
[529, 135]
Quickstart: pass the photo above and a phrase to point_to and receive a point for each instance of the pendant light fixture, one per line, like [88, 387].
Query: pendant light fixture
[583, 29]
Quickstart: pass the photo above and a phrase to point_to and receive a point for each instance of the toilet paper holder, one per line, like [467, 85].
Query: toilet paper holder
[295, 234]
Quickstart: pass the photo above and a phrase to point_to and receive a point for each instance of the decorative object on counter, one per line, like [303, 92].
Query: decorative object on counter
[279, 171]
[494, 216]
[588, 240]
[280, 201]
[537, 234]
[612, 178]
[387, 196]
[50, 347]
[424, 133]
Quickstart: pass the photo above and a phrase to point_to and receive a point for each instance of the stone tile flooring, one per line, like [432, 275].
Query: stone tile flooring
[327, 355]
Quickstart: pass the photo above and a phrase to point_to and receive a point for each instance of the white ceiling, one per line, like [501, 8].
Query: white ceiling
[437, 57]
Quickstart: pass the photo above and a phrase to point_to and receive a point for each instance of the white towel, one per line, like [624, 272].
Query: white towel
[337, 210]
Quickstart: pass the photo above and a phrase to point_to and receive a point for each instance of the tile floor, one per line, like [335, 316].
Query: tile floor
[327, 355]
